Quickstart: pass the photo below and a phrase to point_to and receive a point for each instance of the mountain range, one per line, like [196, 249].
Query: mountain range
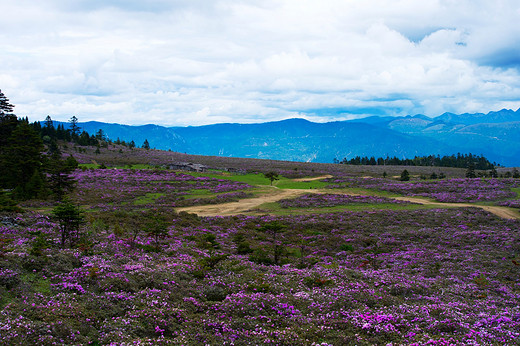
[495, 135]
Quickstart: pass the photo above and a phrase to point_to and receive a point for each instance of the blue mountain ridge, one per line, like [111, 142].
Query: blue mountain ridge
[496, 135]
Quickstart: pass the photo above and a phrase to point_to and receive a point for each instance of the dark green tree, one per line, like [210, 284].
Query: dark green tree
[146, 145]
[8, 121]
[275, 229]
[5, 106]
[8, 204]
[59, 174]
[272, 176]
[21, 157]
[405, 176]
[36, 186]
[69, 217]
[470, 172]
[100, 135]
[74, 128]
[48, 128]
[516, 174]
[156, 227]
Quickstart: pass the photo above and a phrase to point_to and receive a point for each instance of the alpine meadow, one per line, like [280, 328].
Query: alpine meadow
[260, 172]
[106, 243]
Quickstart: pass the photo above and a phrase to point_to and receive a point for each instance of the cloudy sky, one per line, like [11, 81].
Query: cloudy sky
[194, 62]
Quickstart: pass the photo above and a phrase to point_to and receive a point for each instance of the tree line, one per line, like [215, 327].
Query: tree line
[457, 161]
[31, 165]
[31, 162]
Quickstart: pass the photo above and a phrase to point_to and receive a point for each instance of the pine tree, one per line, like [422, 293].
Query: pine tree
[70, 218]
[23, 156]
[35, 187]
[146, 145]
[48, 128]
[60, 179]
[5, 106]
[74, 128]
[8, 121]
[470, 172]
[405, 176]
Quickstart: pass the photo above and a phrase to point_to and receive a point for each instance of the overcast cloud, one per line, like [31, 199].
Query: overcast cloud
[199, 62]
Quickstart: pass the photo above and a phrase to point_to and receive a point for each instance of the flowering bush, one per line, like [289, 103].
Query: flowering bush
[332, 200]
[513, 203]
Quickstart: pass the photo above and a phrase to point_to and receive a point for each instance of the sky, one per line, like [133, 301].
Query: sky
[197, 62]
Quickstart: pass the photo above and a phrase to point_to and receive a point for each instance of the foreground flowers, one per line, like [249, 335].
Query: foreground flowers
[402, 277]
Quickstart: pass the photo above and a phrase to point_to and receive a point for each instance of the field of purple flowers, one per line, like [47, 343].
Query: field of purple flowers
[444, 190]
[146, 187]
[332, 200]
[373, 277]
[404, 277]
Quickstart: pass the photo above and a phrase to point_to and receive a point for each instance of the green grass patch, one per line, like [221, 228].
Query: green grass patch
[149, 198]
[37, 283]
[517, 191]
[259, 179]
[199, 193]
[275, 208]
[285, 183]
[250, 178]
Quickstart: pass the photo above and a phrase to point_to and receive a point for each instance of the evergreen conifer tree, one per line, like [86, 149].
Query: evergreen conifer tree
[22, 157]
[470, 172]
[5, 106]
[74, 128]
[70, 217]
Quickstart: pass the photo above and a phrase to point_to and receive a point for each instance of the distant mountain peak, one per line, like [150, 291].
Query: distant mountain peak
[496, 135]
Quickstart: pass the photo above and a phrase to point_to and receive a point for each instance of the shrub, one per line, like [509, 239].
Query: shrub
[346, 247]
[260, 256]
[215, 293]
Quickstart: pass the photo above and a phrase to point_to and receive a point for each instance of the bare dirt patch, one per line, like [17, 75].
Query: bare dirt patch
[248, 205]
[244, 205]
[503, 212]
[314, 178]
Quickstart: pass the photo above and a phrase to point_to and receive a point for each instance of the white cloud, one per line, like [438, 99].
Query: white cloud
[199, 62]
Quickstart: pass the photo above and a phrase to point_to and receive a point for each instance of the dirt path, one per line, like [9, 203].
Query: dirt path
[249, 204]
[503, 212]
[314, 178]
[244, 205]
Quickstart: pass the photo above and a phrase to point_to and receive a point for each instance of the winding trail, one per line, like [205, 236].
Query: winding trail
[250, 205]
[314, 178]
[503, 212]
[244, 205]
